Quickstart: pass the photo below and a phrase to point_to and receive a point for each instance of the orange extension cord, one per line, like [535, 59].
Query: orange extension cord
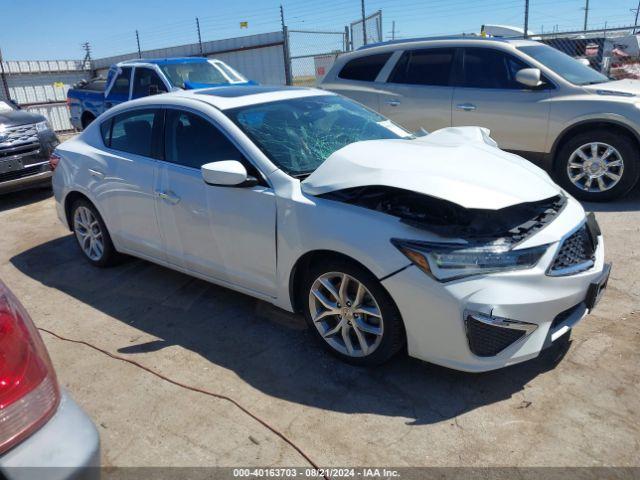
[193, 389]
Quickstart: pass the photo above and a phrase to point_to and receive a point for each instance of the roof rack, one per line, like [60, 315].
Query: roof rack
[471, 36]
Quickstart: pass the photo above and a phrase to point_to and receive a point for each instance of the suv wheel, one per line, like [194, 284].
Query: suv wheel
[351, 313]
[598, 165]
[92, 234]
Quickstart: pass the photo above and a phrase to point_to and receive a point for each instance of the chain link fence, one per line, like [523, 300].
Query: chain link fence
[366, 32]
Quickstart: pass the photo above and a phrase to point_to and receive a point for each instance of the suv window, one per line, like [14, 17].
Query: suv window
[134, 132]
[364, 68]
[489, 68]
[192, 141]
[424, 67]
[145, 78]
[121, 85]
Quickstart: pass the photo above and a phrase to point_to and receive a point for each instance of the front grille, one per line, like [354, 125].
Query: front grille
[25, 149]
[487, 340]
[20, 135]
[17, 174]
[576, 254]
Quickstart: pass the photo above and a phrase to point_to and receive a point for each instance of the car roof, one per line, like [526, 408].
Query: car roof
[460, 40]
[164, 61]
[227, 97]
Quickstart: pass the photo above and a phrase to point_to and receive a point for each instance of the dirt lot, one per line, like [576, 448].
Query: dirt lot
[576, 405]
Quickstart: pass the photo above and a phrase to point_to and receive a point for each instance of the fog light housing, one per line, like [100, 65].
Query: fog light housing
[489, 335]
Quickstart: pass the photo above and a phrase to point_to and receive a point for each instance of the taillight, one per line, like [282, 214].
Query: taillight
[54, 159]
[29, 392]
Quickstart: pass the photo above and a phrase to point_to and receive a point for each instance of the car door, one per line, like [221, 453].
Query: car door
[488, 96]
[146, 81]
[126, 179]
[120, 89]
[418, 91]
[223, 233]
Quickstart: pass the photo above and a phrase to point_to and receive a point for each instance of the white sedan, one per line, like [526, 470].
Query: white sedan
[468, 256]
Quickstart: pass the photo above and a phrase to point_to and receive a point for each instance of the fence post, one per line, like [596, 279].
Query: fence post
[364, 23]
[285, 49]
[5, 84]
[199, 36]
[347, 41]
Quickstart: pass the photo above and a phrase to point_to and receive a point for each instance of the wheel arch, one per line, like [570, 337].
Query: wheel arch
[71, 198]
[310, 258]
[587, 125]
[86, 118]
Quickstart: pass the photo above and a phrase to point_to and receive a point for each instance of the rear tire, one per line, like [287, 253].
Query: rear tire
[598, 165]
[87, 119]
[351, 314]
[92, 235]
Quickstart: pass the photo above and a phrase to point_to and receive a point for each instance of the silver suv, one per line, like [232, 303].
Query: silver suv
[537, 102]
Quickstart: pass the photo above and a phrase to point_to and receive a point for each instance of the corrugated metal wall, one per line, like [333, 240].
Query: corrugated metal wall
[258, 57]
[41, 87]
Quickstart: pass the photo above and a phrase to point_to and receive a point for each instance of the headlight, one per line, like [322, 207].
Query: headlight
[449, 262]
[42, 126]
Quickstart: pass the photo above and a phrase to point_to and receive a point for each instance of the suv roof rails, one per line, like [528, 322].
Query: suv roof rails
[471, 36]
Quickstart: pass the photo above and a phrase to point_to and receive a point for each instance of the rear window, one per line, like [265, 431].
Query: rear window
[364, 68]
[424, 67]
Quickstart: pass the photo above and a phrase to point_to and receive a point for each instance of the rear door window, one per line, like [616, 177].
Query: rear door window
[122, 83]
[424, 67]
[137, 132]
[364, 68]
[144, 80]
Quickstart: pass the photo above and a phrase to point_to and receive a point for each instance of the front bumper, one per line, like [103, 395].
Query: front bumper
[434, 313]
[66, 447]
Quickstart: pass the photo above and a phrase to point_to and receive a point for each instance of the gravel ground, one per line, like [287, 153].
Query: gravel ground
[576, 405]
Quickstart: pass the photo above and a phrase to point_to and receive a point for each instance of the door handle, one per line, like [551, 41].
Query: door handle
[393, 103]
[467, 107]
[170, 197]
[96, 173]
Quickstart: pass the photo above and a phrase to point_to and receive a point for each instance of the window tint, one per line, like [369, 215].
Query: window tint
[105, 131]
[121, 86]
[133, 131]
[143, 79]
[192, 141]
[424, 67]
[364, 68]
[488, 68]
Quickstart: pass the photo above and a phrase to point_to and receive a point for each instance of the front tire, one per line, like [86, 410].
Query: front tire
[598, 166]
[92, 235]
[351, 314]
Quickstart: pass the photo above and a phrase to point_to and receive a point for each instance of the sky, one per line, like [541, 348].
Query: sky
[47, 29]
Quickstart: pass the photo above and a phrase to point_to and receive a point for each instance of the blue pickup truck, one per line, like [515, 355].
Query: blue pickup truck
[139, 78]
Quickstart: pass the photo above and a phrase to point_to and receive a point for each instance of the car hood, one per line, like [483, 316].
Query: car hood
[461, 165]
[19, 117]
[625, 88]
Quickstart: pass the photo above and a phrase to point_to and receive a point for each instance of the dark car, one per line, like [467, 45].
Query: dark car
[26, 142]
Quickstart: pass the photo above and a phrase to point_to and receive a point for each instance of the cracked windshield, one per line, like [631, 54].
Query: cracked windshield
[299, 134]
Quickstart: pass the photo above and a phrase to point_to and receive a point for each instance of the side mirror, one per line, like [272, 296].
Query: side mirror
[529, 77]
[153, 90]
[227, 173]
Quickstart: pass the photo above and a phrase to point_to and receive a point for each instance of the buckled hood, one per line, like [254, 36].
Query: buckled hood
[461, 165]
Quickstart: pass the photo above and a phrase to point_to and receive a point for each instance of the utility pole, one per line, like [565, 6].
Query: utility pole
[635, 23]
[393, 30]
[364, 23]
[285, 47]
[586, 14]
[86, 63]
[199, 36]
[526, 18]
[138, 41]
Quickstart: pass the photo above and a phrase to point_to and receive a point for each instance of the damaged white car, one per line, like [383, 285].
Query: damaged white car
[470, 257]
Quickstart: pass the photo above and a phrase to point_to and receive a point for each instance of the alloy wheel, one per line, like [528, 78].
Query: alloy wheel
[346, 314]
[595, 167]
[88, 233]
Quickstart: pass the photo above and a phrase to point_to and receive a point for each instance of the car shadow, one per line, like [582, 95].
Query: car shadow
[271, 350]
[628, 203]
[9, 201]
